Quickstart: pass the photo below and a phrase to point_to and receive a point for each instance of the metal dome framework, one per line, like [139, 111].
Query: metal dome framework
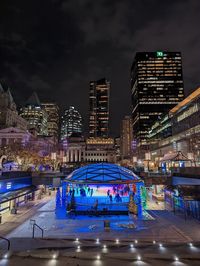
[103, 173]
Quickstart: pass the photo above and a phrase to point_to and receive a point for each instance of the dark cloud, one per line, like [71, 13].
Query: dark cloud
[56, 47]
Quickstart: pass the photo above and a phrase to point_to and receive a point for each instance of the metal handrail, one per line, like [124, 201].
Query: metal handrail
[7, 240]
[42, 230]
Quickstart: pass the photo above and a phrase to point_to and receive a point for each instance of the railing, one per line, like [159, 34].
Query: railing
[158, 174]
[101, 200]
[7, 240]
[16, 174]
[36, 225]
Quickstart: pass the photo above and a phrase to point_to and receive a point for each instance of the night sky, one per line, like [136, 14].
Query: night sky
[56, 47]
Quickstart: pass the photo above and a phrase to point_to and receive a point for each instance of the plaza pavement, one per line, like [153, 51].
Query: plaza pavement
[166, 226]
[60, 232]
[24, 213]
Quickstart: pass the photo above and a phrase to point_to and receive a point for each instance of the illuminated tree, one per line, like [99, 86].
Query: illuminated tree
[132, 207]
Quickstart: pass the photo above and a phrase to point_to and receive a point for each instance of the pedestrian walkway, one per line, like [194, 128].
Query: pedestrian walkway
[24, 212]
[189, 228]
[164, 227]
[155, 205]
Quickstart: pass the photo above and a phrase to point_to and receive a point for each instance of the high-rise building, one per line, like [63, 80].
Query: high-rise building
[9, 116]
[99, 108]
[126, 137]
[52, 111]
[35, 115]
[178, 131]
[157, 86]
[71, 123]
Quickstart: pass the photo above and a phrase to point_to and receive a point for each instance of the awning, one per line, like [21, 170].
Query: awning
[16, 194]
[175, 157]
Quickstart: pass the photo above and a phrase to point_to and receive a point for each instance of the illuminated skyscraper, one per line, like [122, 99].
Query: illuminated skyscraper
[71, 123]
[52, 111]
[99, 108]
[35, 115]
[126, 137]
[157, 86]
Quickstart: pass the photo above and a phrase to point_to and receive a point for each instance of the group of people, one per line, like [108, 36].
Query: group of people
[81, 191]
[117, 197]
[118, 192]
[114, 193]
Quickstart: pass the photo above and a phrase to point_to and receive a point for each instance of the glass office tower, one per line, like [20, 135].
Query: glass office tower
[52, 110]
[99, 108]
[156, 86]
[35, 115]
[71, 123]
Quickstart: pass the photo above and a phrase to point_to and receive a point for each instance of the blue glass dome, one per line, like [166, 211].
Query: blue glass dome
[104, 173]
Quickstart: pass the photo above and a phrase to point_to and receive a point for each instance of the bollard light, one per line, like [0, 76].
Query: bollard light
[54, 256]
[117, 241]
[5, 256]
[176, 259]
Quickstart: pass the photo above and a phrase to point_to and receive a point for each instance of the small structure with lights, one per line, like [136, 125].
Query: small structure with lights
[103, 188]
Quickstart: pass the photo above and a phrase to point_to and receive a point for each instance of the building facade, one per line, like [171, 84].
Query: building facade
[156, 86]
[126, 137]
[100, 150]
[9, 116]
[13, 137]
[99, 108]
[52, 111]
[78, 150]
[71, 123]
[184, 127]
[35, 116]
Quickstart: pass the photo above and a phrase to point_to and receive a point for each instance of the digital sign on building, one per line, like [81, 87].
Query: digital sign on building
[14, 184]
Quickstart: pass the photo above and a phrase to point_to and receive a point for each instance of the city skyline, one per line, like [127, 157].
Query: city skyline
[99, 132]
[69, 51]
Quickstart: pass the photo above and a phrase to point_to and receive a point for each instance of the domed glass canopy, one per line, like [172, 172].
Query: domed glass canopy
[103, 173]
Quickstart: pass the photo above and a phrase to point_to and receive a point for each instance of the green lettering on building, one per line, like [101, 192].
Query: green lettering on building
[159, 54]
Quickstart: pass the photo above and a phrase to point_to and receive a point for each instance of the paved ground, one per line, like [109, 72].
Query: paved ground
[60, 232]
[91, 253]
[165, 227]
[25, 212]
